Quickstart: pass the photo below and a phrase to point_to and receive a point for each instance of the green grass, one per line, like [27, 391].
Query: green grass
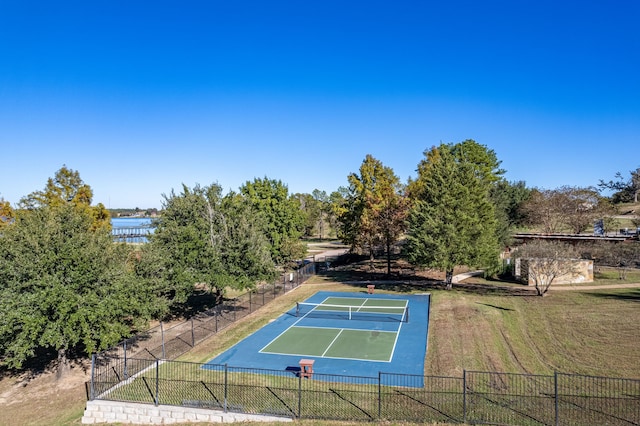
[472, 327]
[607, 276]
[575, 332]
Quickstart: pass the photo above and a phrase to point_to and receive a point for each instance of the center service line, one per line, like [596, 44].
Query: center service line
[332, 342]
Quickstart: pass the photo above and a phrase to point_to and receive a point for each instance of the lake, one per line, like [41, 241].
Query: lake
[128, 222]
[119, 224]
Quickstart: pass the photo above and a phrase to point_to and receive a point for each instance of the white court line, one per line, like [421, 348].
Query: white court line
[332, 342]
[395, 342]
[348, 329]
[285, 330]
[364, 300]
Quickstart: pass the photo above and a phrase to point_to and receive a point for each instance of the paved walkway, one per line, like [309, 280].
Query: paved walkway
[592, 287]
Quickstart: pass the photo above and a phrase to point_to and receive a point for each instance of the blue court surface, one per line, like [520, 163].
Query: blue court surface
[354, 334]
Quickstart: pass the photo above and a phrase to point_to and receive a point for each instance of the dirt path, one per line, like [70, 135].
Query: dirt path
[593, 287]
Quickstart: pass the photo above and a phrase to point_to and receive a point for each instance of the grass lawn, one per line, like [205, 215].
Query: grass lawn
[472, 327]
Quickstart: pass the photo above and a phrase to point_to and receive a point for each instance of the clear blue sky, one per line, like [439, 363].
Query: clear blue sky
[142, 96]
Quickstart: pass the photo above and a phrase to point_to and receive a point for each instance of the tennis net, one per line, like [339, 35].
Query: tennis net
[353, 312]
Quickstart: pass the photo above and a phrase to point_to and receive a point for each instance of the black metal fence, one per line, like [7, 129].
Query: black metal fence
[168, 343]
[140, 369]
[476, 397]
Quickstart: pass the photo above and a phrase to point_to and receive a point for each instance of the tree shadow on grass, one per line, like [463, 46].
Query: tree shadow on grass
[357, 271]
[627, 295]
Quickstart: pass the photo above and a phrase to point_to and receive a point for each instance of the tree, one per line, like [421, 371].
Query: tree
[583, 207]
[572, 208]
[6, 213]
[65, 286]
[317, 212]
[508, 197]
[375, 210]
[483, 160]
[626, 190]
[322, 201]
[280, 215]
[547, 209]
[624, 256]
[67, 187]
[205, 238]
[548, 260]
[452, 221]
[335, 203]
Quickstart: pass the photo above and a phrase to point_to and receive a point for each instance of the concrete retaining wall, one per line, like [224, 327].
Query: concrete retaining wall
[145, 414]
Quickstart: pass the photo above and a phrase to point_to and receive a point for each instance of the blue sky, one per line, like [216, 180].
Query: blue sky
[140, 97]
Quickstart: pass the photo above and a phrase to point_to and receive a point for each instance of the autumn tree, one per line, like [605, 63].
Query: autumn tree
[336, 202]
[280, 216]
[375, 209]
[453, 221]
[6, 213]
[67, 187]
[547, 261]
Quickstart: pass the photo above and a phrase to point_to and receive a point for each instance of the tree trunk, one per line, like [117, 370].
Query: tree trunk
[388, 258]
[63, 364]
[449, 279]
[218, 295]
[371, 259]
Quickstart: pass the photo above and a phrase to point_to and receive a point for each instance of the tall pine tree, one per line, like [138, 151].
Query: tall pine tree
[452, 221]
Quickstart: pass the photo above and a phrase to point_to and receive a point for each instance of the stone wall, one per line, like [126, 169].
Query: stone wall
[581, 271]
[99, 411]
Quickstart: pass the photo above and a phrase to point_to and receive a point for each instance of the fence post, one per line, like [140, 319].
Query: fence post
[379, 394]
[92, 392]
[226, 386]
[157, 398]
[300, 395]
[126, 374]
[464, 396]
[555, 394]
[250, 291]
[162, 336]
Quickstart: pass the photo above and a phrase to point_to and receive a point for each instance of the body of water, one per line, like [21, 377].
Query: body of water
[126, 225]
[128, 222]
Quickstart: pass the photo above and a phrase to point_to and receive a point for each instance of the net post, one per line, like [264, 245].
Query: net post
[297, 309]
[406, 314]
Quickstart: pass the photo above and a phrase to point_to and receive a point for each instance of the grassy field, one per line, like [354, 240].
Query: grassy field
[475, 326]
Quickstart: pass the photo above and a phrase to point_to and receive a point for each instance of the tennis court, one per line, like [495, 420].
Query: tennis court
[344, 333]
[343, 327]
